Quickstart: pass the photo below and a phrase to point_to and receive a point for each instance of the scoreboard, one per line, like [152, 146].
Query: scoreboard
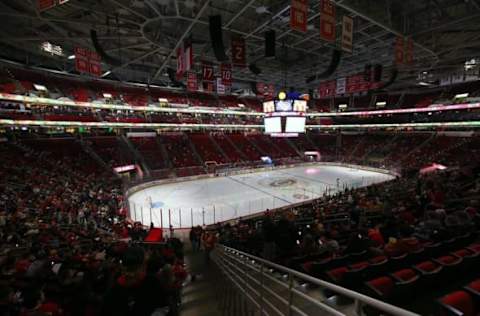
[285, 117]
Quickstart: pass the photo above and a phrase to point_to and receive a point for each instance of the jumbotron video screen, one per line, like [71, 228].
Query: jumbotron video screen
[285, 116]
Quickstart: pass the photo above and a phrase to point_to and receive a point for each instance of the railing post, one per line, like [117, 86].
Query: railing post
[169, 218]
[261, 288]
[151, 216]
[191, 215]
[180, 216]
[290, 294]
[161, 218]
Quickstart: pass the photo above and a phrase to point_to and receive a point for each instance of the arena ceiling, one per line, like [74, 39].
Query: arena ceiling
[143, 35]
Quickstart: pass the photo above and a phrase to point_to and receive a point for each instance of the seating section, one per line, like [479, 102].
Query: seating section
[150, 150]
[206, 148]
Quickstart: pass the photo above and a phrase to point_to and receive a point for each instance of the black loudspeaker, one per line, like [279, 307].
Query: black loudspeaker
[172, 76]
[367, 73]
[254, 69]
[216, 37]
[335, 61]
[270, 38]
[100, 51]
[377, 73]
[253, 86]
[393, 78]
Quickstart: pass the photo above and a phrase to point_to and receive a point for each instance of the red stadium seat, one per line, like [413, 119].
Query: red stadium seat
[458, 303]
[382, 288]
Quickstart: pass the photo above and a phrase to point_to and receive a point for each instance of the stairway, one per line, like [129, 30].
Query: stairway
[127, 145]
[194, 151]
[220, 149]
[89, 150]
[255, 145]
[164, 152]
[242, 154]
[292, 145]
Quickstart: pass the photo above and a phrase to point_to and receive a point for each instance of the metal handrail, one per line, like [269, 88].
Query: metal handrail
[237, 265]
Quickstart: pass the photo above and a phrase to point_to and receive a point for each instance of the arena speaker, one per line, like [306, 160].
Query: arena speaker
[253, 86]
[334, 62]
[216, 37]
[270, 39]
[172, 76]
[377, 73]
[367, 73]
[254, 69]
[100, 51]
[393, 78]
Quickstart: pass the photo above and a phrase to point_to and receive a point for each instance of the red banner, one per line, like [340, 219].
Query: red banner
[88, 62]
[45, 4]
[192, 84]
[347, 34]
[226, 74]
[180, 63]
[409, 52]
[188, 54]
[239, 52]
[327, 21]
[400, 50]
[207, 72]
[299, 15]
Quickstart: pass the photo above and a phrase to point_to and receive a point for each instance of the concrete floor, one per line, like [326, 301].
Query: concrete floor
[198, 297]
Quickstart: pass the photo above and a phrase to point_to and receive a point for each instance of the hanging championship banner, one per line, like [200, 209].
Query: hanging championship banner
[188, 54]
[399, 50]
[95, 64]
[207, 71]
[347, 34]
[180, 63]
[299, 15]
[45, 4]
[409, 52]
[192, 84]
[81, 60]
[239, 52]
[226, 74]
[87, 62]
[327, 21]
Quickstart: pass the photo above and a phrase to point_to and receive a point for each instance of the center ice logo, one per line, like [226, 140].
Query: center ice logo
[278, 182]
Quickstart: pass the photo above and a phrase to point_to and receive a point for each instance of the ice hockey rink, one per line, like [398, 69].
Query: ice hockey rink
[211, 200]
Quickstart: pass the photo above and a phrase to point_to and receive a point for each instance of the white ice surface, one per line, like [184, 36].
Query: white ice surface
[222, 198]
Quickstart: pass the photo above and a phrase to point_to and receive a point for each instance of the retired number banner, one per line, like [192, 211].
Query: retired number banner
[298, 15]
[327, 21]
[239, 58]
[207, 72]
[347, 34]
[226, 74]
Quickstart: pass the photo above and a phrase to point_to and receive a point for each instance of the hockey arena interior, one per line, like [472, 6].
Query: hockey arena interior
[239, 157]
